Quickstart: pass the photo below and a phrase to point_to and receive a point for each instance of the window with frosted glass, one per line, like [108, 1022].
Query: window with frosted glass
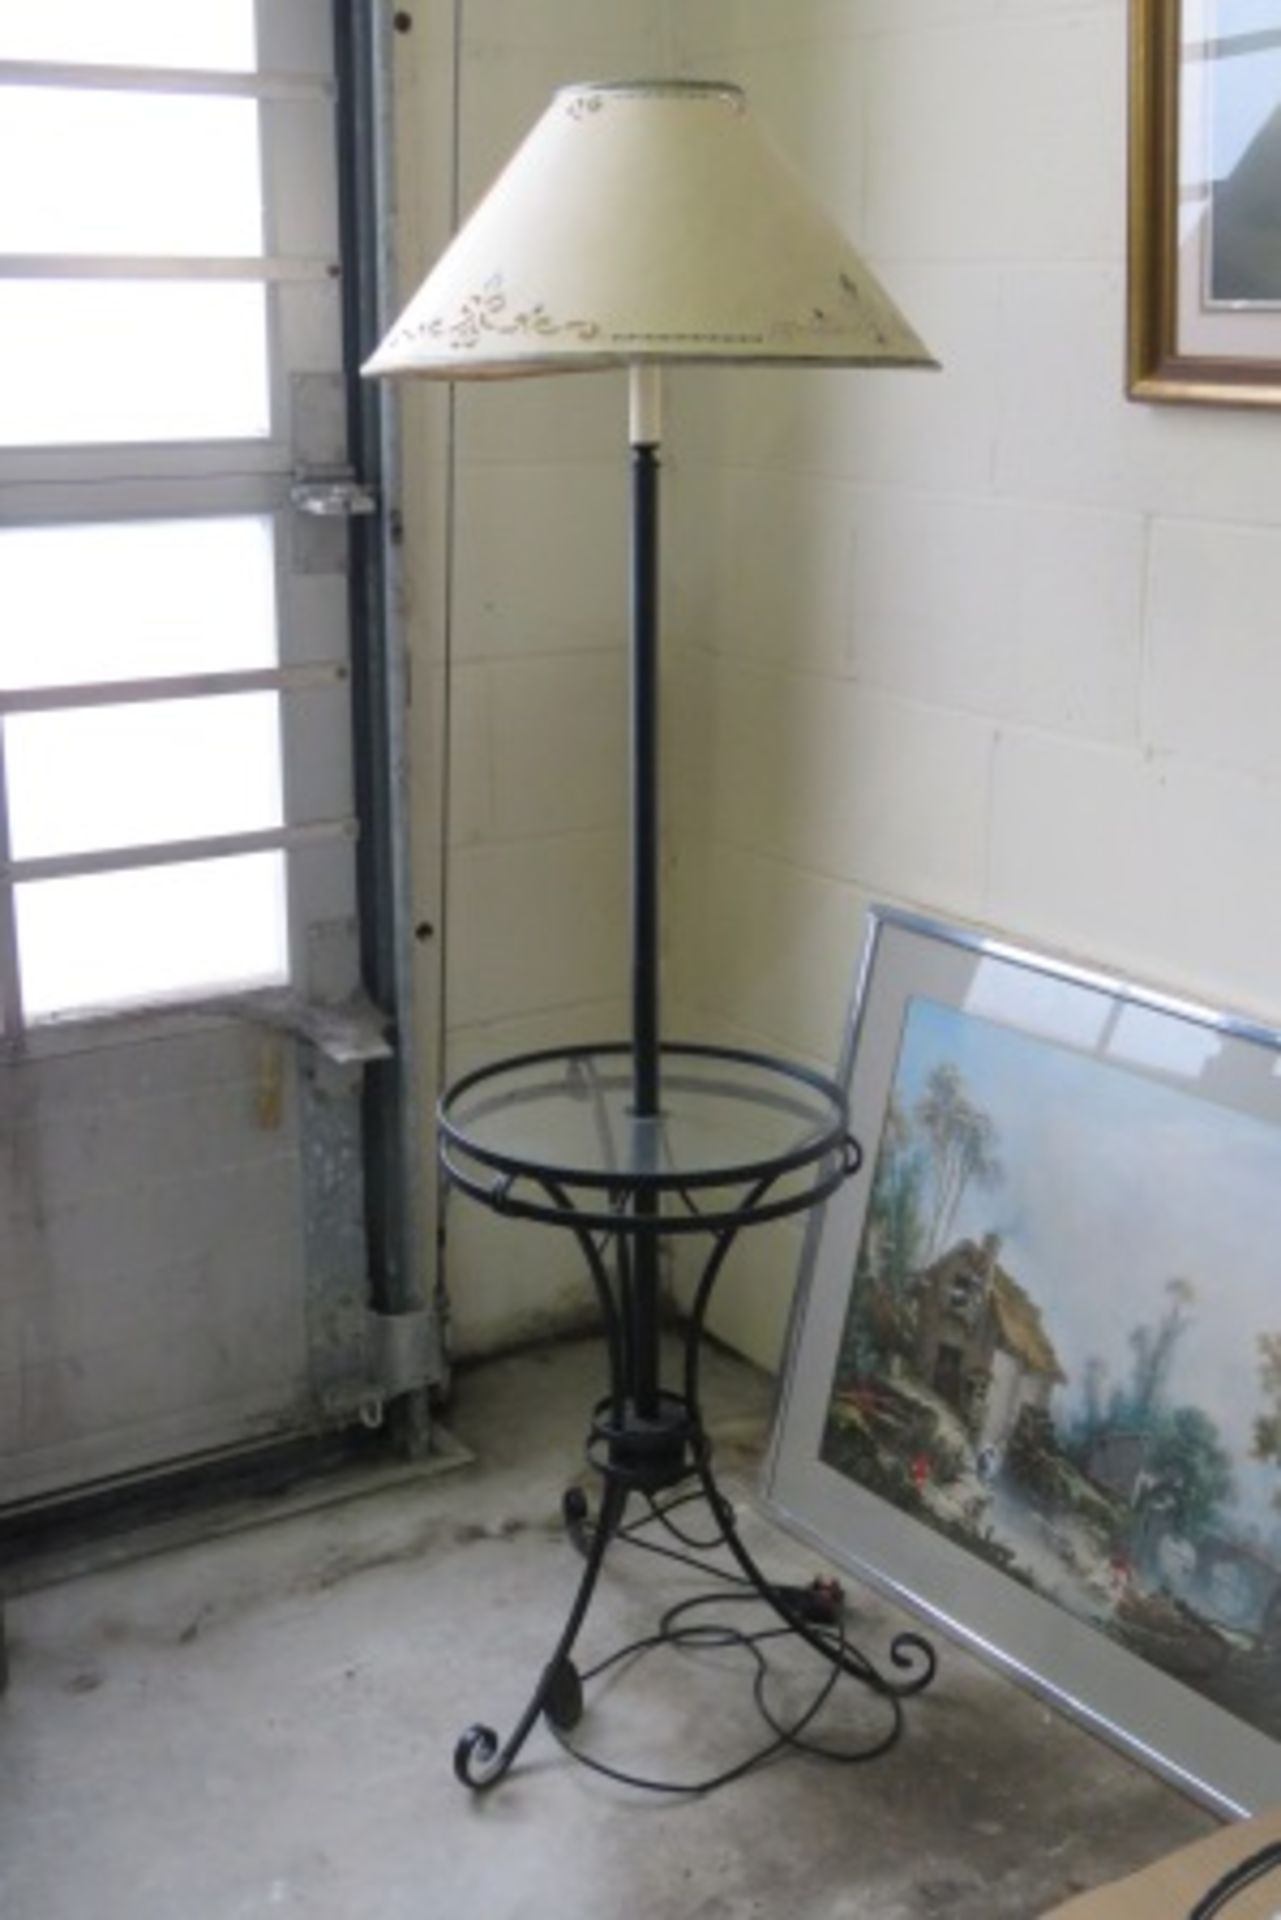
[102, 777]
[157, 33]
[132, 600]
[101, 940]
[144, 838]
[126, 361]
[119, 173]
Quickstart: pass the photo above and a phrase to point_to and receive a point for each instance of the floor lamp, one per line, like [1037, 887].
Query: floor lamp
[641, 225]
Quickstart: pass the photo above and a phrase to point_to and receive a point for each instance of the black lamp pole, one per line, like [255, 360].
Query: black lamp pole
[644, 755]
[646, 1092]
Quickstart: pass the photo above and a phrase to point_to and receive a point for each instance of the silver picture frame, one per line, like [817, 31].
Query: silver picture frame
[1032, 1386]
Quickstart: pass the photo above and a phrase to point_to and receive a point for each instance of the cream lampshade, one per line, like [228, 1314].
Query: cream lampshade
[650, 221]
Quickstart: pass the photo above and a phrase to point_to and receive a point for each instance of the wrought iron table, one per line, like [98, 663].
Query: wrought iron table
[739, 1138]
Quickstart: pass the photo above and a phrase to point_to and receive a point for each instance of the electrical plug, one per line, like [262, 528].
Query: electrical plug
[820, 1604]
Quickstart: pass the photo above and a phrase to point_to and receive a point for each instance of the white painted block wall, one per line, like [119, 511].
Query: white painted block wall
[516, 562]
[994, 643]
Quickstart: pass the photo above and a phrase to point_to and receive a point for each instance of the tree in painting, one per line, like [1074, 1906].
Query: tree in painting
[1169, 1464]
[889, 1252]
[894, 1235]
[1153, 1348]
[1138, 1407]
[1192, 1468]
[962, 1143]
[932, 1315]
[1267, 1427]
[1267, 1447]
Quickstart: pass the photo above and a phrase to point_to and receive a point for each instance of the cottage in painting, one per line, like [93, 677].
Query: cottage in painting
[980, 1341]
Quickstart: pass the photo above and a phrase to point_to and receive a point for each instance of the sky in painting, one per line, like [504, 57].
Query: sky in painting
[1115, 1183]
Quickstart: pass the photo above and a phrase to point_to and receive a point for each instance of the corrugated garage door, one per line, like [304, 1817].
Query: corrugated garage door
[182, 1034]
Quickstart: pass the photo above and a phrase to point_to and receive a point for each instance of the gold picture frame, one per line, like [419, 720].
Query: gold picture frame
[1205, 202]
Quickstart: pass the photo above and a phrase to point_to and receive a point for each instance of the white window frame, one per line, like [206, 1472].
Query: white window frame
[166, 480]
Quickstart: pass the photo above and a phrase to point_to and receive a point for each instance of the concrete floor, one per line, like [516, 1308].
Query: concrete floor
[262, 1726]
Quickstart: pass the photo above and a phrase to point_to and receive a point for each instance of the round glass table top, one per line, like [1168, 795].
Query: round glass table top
[725, 1117]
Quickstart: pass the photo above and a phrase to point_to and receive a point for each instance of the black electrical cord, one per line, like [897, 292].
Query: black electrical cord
[1246, 1873]
[662, 1513]
[785, 1736]
[819, 1606]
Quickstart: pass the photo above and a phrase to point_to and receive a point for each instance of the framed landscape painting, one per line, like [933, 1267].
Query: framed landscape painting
[1033, 1386]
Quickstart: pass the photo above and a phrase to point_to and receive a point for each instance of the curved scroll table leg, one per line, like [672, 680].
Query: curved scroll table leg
[480, 1759]
[911, 1653]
